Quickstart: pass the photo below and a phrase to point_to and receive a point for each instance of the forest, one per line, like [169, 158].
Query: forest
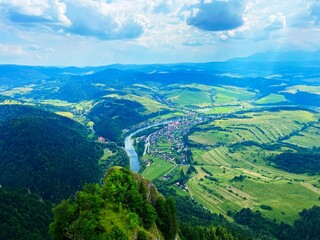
[299, 162]
[124, 207]
[46, 154]
[112, 115]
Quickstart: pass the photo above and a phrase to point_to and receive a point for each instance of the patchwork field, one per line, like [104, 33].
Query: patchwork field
[261, 127]
[233, 176]
[308, 138]
[243, 179]
[203, 96]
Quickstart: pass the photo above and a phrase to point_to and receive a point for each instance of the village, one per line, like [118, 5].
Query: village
[167, 143]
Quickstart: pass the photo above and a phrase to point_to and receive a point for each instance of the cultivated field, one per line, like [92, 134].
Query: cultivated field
[271, 99]
[261, 127]
[232, 175]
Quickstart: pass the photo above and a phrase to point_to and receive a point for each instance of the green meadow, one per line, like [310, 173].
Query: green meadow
[303, 88]
[150, 105]
[157, 169]
[271, 99]
[286, 193]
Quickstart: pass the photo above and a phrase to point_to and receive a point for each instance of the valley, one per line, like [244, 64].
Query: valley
[212, 136]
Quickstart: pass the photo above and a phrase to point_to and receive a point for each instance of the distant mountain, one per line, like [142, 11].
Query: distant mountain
[275, 56]
[17, 75]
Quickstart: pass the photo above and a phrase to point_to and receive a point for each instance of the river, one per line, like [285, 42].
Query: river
[134, 159]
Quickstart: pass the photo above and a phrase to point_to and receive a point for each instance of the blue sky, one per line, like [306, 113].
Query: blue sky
[96, 32]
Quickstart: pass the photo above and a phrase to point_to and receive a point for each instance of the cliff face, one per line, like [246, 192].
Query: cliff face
[127, 206]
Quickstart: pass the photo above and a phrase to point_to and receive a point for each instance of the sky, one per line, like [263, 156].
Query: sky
[101, 32]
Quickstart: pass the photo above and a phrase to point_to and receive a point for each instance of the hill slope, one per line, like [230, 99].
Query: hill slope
[46, 153]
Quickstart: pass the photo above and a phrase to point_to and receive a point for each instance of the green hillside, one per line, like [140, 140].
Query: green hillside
[125, 207]
[23, 216]
[46, 153]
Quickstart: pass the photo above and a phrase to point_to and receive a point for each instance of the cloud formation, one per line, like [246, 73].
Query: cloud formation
[78, 32]
[91, 18]
[315, 11]
[11, 50]
[217, 15]
[275, 22]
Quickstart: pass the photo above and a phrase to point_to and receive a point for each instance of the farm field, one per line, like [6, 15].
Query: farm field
[191, 97]
[18, 91]
[157, 169]
[261, 127]
[150, 105]
[230, 95]
[308, 138]
[303, 88]
[260, 184]
[233, 169]
[271, 99]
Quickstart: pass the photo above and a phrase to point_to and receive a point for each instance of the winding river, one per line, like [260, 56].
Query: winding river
[134, 159]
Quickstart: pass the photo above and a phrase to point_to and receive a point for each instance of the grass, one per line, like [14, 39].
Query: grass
[65, 114]
[308, 138]
[157, 169]
[202, 87]
[18, 91]
[106, 153]
[303, 88]
[230, 95]
[183, 97]
[265, 127]
[55, 102]
[214, 137]
[271, 98]
[8, 102]
[223, 109]
[286, 193]
[151, 105]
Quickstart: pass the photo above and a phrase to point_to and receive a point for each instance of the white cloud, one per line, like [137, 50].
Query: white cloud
[95, 18]
[75, 31]
[11, 50]
[275, 22]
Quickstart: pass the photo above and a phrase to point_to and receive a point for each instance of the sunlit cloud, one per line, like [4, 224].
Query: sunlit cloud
[97, 32]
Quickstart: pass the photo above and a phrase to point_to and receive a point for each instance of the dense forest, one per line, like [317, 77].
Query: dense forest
[23, 216]
[299, 162]
[125, 207]
[46, 154]
[112, 116]
[306, 227]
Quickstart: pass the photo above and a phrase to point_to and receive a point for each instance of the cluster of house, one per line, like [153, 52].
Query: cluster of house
[168, 144]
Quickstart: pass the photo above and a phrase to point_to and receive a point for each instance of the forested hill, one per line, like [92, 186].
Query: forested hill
[23, 216]
[126, 207]
[48, 154]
